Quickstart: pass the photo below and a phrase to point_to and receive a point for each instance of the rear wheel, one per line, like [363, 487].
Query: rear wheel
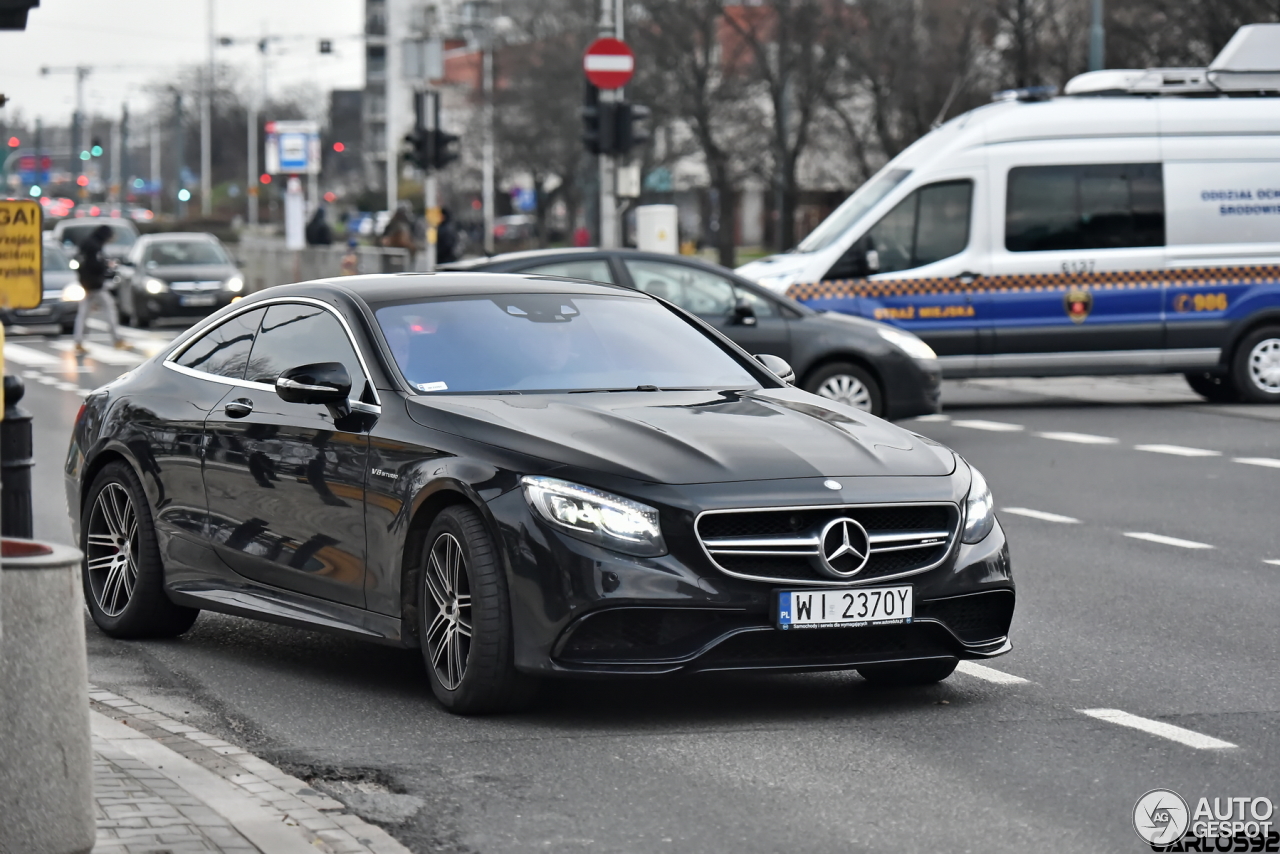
[1256, 367]
[849, 384]
[1215, 387]
[909, 672]
[465, 614]
[123, 575]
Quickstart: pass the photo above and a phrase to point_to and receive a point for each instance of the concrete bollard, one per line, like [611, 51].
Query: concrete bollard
[46, 758]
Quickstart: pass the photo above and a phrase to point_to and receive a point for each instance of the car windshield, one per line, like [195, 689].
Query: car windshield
[182, 253]
[76, 234]
[55, 260]
[852, 210]
[553, 342]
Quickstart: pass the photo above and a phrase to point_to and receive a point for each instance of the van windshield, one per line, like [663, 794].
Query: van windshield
[852, 210]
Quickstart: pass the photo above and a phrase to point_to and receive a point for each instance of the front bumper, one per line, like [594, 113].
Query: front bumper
[578, 609]
[170, 303]
[913, 387]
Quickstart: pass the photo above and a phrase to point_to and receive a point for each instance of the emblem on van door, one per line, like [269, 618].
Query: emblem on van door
[1078, 303]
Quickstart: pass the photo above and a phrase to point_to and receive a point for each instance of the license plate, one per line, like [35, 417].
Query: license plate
[850, 609]
[199, 299]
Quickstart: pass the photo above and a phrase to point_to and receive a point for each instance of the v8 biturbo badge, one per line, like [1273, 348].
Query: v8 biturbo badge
[1078, 303]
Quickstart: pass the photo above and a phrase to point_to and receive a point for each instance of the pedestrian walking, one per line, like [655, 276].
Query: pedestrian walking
[93, 278]
[446, 238]
[318, 232]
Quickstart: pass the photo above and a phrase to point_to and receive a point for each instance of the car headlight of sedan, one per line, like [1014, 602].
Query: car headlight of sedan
[907, 343]
[979, 509]
[597, 517]
[155, 286]
[73, 292]
[235, 284]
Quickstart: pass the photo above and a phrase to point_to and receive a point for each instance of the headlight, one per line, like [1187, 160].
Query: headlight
[155, 286]
[907, 343]
[607, 520]
[74, 264]
[73, 292]
[979, 509]
[235, 284]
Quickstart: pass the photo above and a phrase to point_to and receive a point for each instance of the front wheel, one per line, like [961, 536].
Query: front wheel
[1256, 367]
[909, 672]
[849, 384]
[123, 575]
[465, 619]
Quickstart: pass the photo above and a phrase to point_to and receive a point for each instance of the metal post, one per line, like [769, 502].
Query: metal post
[77, 125]
[608, 168]
[1097, 38]
[179, 147]
[431, 120]
[114, 183]
[155, 162]
[488, 183]
[251, 181]
[125, 164]
[391, 141]
[15, 463]
[206, 125]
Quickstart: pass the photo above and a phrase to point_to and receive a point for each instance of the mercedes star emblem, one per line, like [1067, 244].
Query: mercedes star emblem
[845, 548]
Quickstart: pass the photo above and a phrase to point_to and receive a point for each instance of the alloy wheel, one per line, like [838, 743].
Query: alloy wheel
[846, 389]
[111, 546]
[448, 636]
[1264, 365]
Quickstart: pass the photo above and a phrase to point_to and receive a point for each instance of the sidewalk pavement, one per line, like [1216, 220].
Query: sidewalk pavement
[161, 787]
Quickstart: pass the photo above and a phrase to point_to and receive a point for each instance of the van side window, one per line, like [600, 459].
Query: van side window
[929, 225]
[1095, 206]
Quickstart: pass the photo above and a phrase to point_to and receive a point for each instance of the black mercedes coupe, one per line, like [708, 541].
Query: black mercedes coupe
[526, 476]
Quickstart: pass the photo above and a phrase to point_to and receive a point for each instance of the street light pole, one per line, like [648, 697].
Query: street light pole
[391, 141]
[608, 170]
[1097, 38]
[487, 143]
[206, 124]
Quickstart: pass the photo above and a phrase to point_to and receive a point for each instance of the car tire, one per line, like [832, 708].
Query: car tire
[462, 589]
[122, 571]
[68, 329]
[1214, 387]
[139, 320]
[1256, 366]
[849, 384]
[909, 672]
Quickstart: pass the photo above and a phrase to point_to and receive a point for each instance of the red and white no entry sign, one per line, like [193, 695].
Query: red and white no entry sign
[609, 63]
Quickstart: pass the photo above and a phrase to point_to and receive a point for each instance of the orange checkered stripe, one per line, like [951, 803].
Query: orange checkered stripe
[1029, 282]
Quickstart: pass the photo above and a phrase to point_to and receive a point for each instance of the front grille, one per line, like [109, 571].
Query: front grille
[782, 544]
[974, 618]
[802, 647]
[648, 634]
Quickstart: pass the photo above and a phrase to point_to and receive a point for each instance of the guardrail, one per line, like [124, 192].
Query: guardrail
[269, 263]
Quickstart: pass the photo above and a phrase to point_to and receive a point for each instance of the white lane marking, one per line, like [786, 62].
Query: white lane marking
[1041, 515]
[988, 674]
[1167, 541]
[1272, 562]
[66, 386]
[1258, 461]
[20, 355]
[1174, 733]
[933, 418]
[1177, 450]
[1079, 438]
[104, 355]
[993, 426]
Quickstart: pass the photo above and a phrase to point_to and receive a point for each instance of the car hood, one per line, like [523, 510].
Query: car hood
[689, 436]
[776, 272]
[192, 273]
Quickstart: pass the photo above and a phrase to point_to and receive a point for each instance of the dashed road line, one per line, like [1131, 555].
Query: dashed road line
[1272, 562]
[1265, 462]
[1166, 541]
[104, 355]
[1177, 450]
[933, 418]
[1079, 438]
[1174, 733]
[992, 426]
[1042, 515]
[988, 674]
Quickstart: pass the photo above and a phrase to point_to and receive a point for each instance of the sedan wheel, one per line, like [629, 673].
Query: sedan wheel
[123, 574]
[848, 384]
[1257, 366]
[465, 619]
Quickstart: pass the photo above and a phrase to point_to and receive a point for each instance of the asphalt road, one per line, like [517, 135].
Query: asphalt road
[1140, 543]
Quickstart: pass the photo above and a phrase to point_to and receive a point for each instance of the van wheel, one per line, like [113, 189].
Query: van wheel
[1256, 367]
[1214, 387]
[848, 384]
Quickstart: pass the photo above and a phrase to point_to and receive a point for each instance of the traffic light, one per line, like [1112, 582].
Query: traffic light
[326, 45]
[95, 147]
[417, 148]
[443, 148]
[598, 123]
[14, 142]
[632, 127]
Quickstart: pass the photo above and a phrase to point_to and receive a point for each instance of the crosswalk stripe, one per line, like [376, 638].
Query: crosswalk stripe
[100, 353]
[1174, 733]
[30, 357]
[1078, 438]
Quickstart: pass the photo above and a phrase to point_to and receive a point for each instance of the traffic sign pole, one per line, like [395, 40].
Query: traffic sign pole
[608, 65]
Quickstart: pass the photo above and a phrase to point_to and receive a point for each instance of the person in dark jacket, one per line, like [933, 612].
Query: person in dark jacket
[318, 231]
[93, 272]
[446, 238]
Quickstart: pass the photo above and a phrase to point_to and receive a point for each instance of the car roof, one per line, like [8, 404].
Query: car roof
[400, 287]
[178, 235]
[94, 220]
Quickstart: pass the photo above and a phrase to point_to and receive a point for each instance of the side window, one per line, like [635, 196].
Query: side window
[294, 335]
[1097, 206]
[224, 350]
[927, 226]
[691, 288]
[594, 270]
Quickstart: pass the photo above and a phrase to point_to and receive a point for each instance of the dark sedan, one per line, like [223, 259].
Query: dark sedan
[60, 296]
[526, 477]
[872, 366]
[176, 275]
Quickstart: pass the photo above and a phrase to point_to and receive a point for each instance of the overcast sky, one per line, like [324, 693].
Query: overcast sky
[136, 42]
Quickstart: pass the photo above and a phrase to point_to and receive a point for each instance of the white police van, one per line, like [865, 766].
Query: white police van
[1131, 225]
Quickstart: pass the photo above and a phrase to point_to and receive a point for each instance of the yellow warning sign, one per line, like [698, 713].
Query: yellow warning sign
[20, 261]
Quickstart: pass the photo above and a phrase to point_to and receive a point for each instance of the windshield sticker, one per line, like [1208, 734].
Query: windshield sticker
[436, 386]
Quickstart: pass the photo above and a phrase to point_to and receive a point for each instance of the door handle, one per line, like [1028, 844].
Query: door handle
[966, 277]
[239, 408]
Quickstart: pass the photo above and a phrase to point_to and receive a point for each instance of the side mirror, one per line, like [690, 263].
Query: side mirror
[324, 383]
[778, 366]
[872, 262]
[856, 263]
[743, 314]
